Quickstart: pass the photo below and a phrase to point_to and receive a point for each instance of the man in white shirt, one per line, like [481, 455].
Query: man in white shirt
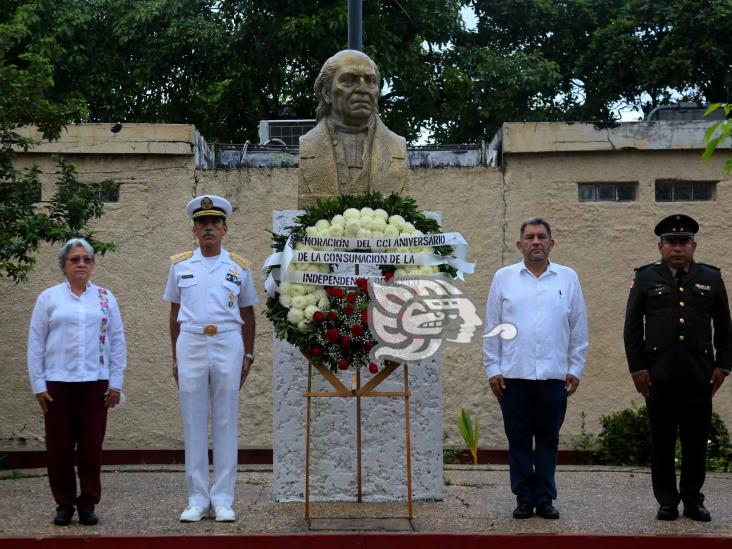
[211, 296]
[533, 374]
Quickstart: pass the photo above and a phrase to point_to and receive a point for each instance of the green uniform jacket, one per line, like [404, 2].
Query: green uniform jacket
[676, 340]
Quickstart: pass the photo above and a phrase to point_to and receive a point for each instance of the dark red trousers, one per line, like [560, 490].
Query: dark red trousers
[75, 425]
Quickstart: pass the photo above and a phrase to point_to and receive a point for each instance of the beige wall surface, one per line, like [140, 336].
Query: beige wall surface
[601, 241]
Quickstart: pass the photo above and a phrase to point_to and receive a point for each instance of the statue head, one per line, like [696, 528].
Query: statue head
[348, 88]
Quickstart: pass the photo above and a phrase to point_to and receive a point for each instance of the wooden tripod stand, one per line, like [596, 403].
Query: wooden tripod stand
[357, 392]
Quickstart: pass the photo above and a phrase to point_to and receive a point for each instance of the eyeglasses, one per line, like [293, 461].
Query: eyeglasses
[80, 259]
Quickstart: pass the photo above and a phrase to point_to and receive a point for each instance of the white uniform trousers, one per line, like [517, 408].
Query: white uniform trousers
[209, 371]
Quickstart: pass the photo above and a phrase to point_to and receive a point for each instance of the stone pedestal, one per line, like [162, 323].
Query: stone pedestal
[333, 430]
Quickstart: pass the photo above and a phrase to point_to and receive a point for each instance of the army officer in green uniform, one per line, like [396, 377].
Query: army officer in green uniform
[673, 360]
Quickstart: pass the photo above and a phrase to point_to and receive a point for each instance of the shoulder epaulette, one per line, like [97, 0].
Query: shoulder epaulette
[710, 266]
[642, 267]
[177, 258]
[239, 260]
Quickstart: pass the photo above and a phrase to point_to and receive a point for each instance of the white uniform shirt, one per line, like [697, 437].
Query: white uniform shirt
[210, 295]
[551, 320]
[76, 338]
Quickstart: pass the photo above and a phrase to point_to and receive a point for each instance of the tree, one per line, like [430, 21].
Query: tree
[719, 132]
[24, 88]
[639, 52]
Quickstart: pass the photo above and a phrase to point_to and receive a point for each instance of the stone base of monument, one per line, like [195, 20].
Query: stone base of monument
[333, 458]
[359, 524]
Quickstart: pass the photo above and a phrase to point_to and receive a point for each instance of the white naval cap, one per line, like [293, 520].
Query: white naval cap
[208, 205]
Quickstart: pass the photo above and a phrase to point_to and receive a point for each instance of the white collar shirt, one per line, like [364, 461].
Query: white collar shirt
[76, 338]
[210, 294]
[550, 317]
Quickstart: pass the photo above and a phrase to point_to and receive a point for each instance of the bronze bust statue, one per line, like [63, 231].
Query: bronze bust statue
[350, 150]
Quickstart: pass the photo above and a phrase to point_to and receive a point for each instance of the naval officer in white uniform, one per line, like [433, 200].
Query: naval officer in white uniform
[211, 295]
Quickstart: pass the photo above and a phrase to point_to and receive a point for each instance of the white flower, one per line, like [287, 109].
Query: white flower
[367, 211]
[367, 222]
[407, 227]
[323, 304]
[351, 213]
[378, 225]
[335, 230]
[297, 289]
[295, 316]
[400, 272]
[303, 326]
[338, 220]
[300, 302]
[322, 224]
[364, 233]
[391, 231]
[352, 228]
[397, 221]
[381, 214]
[426, 270]
[310, 310]
[286, 288]
[310, 231]
[311, 299]
[286, 300]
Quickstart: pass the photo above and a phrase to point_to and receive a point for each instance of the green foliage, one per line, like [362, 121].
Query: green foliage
[718, 133]
[470, 433]
[625, 439]
[26, 86]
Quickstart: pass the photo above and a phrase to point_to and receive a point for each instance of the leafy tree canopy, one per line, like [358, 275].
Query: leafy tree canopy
[224, 65]
[25, 85]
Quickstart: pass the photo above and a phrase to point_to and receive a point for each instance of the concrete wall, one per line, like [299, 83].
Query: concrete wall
[602, 241]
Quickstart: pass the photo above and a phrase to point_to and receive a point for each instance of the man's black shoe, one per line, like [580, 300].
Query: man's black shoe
[667, 512]
[523, 510]
[63, 516]
[697, 512]
[88, 518]
[547, 511]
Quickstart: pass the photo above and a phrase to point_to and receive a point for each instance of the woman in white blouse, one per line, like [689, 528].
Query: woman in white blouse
[76, 360]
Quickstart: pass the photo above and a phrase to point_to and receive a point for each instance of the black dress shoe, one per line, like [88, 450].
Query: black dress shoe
[63, 516]
[523, 510]
[547, 511]
[697, 512]
[88, 518]
[667, 512]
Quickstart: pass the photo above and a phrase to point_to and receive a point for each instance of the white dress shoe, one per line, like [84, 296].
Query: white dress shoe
[224, 514]
[193, 513]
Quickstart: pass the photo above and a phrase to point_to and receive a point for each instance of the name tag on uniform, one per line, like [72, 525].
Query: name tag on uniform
[703, 287]
[187, 276]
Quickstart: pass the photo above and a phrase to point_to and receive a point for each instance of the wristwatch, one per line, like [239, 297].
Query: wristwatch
[250, 356]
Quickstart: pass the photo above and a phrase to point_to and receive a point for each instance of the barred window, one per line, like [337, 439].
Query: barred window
[608, 191]
[676, 190]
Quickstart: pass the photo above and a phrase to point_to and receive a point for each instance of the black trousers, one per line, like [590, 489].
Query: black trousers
[75, 425]
[685, 408]
[533, 413]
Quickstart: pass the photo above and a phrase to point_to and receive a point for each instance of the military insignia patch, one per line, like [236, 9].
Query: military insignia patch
[206, 203]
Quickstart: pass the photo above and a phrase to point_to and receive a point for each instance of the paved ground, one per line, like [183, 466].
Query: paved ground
[146, 500]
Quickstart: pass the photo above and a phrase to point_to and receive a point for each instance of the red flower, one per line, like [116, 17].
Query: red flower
[388, 276]
[373, 368]
[351, 297]
[333, 291]
[348, 309]
[356, 330]
[343, 364]
[363, 284]
[331, 334]
[318, 317]
[368, 345]
[332, 316]
[345, 342]
[315, 351]
[365, 317]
